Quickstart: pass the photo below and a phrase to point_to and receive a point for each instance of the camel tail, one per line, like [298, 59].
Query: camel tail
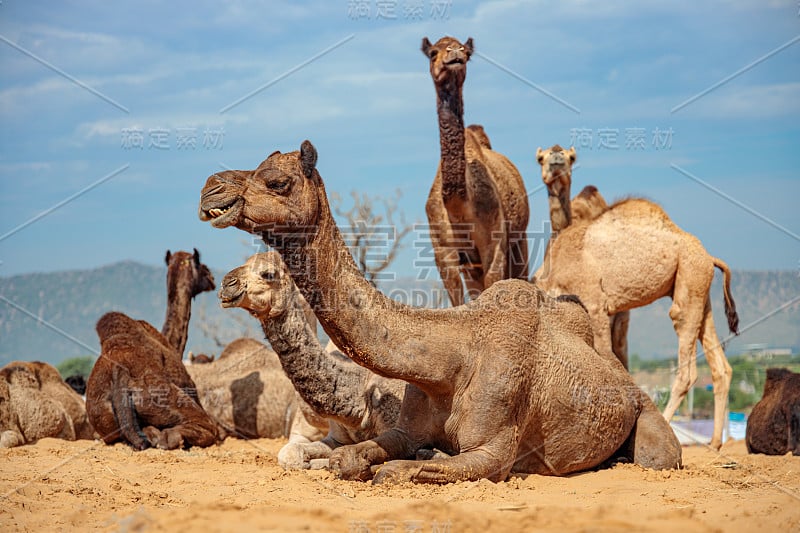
[730, 305]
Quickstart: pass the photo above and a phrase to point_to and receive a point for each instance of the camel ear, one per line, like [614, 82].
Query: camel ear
[168, 257]
[469, 46]
[196, 257]
[539, 156]
[426, 46]
[573, 155]
[308, 158]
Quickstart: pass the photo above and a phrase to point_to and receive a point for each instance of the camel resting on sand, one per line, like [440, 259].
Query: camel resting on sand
[248, 395]
[357, 403]
[36, 403]
[507, 383]
[773, 427]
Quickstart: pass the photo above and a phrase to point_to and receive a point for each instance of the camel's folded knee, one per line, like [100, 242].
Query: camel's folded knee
[654, 444]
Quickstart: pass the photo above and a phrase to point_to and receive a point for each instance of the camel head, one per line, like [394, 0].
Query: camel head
[556, 167]
[262, 286]
[448, 59]
[279, 196]
[185, 266]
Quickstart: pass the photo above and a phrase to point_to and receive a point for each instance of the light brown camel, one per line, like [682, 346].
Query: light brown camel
[358, 404]
[630, 256]
[477, 207]
[773, 427]
[589, 204]
[36, 403]
[139, 390]
[249, 396]
[188, 278]
[508, 382]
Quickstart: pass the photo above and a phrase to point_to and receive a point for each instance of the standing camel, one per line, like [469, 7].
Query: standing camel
[508, 382]
[477, 207]
[630, 256]
[556, 166]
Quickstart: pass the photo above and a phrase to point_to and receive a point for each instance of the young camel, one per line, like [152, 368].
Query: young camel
[556, 166]
[358, 403]
[628, 257]
[139, 390]
[508, 382]
[477, 207]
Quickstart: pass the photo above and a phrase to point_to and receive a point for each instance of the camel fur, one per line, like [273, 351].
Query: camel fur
[357, 403]
[773, 427]
[139, 390]
[36, 403]
[506, 383]
[477, 207]
[630, 256]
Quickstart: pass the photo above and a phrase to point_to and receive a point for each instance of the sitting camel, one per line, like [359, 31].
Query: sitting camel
[139, 390]
[477, 207]
[36, 403]
[358, 404]
[630, 256]
[773, 427]
[249, 396]
[506, 383]
[589, 204]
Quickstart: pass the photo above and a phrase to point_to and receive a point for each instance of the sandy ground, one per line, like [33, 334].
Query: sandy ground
[238, 486]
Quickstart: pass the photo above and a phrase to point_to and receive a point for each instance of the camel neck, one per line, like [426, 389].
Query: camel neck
[330, 385]
[450, 107]
[560, 211]
[370, 328]
[179, 310]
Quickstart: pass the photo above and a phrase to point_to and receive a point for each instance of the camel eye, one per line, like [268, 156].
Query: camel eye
[278, 185]
[268, 276]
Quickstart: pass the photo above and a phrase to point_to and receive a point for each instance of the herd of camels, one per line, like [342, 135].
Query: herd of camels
[518, 375]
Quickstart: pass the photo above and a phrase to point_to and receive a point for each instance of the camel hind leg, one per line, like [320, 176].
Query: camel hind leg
[721, 372]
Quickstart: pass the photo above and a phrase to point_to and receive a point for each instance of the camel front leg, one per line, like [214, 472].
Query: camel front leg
[469, 466]
[601, 328]
[444, 253]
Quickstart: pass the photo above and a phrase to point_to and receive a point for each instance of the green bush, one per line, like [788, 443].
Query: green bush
[76, 366]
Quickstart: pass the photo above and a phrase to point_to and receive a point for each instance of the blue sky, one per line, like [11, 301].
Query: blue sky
[80, 80]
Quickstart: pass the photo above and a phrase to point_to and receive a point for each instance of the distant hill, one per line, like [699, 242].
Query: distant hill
[73, 301]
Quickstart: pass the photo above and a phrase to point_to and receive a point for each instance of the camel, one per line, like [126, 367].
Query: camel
[188, 278]
[477, 207]
[506, 383]
[589, 204]
[139, 390]
[358, 404]
[36, 403]
[773, 427]
[249, 396]
[629, 256]
[200, 359]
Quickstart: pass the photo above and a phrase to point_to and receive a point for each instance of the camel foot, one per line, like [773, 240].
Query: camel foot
[395, 472]
[348, 464]
[318, 464]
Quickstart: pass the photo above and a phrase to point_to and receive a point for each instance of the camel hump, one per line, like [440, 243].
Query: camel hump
[480, 135]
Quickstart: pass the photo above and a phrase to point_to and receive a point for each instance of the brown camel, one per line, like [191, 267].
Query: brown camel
[773, 427]
[200, 359]
[36, 403]
[508, 382]
[139, 390]
[188, 278]
[630, 256]
[358, 404]
[477, 207]
[589, 204]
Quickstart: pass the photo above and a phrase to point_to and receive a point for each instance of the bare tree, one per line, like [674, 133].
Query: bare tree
[374, 238]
